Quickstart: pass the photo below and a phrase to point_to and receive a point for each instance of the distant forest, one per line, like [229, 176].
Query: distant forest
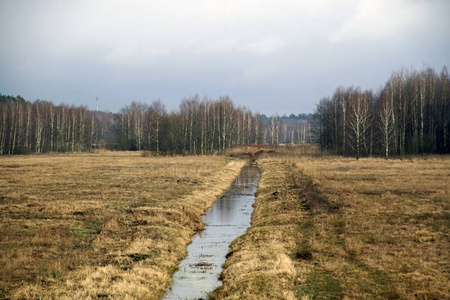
[409, 115]
[200, 126]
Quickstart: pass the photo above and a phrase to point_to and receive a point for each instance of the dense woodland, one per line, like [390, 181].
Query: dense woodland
[409, 115]
[200, 126]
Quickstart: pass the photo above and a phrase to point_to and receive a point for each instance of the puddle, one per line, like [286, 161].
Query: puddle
[229, 218]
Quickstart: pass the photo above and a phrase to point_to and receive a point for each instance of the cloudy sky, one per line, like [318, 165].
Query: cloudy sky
[272, 56]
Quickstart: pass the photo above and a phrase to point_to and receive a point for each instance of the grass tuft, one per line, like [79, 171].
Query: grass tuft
[303, 251]
[321, 285]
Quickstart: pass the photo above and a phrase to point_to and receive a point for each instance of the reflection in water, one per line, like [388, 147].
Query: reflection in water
[229, 217]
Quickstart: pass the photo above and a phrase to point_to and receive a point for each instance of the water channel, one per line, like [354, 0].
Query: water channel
[198, 273]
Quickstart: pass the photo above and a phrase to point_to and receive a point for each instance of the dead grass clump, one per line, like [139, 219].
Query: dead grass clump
[253, 152]
[146, 153]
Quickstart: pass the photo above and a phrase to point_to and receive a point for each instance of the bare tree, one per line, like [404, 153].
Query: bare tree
[158, 112]
[257, 128]
[344, 119]
[274, 130]
[386, 124]
[3, 113]
[358, 122]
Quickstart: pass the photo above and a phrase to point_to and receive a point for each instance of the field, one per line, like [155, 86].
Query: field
[101, 225]
[337, 228]
[115, 225]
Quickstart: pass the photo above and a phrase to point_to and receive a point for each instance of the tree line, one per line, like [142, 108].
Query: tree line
[42, 127]
[199, 126]
[409, 115]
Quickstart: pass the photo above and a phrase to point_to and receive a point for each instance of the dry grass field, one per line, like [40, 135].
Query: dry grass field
[101, 225]
[116, 224]
[337, 228]
[387, 234]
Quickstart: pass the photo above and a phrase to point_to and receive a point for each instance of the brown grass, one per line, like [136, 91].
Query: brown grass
[110, 224]
[116, 224]
[390, 236]
[335, 228]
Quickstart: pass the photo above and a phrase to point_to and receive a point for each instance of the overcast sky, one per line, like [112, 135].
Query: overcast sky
[272, 56]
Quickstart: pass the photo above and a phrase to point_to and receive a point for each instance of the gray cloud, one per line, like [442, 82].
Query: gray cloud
[271, 56]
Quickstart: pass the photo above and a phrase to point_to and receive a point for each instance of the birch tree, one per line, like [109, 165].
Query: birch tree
[386, 124]
[158, 112]
[358, 122]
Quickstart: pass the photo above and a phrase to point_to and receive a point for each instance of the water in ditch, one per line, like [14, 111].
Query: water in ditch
[198, 273]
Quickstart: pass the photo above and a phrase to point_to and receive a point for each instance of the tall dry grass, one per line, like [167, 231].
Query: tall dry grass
[103, 225]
